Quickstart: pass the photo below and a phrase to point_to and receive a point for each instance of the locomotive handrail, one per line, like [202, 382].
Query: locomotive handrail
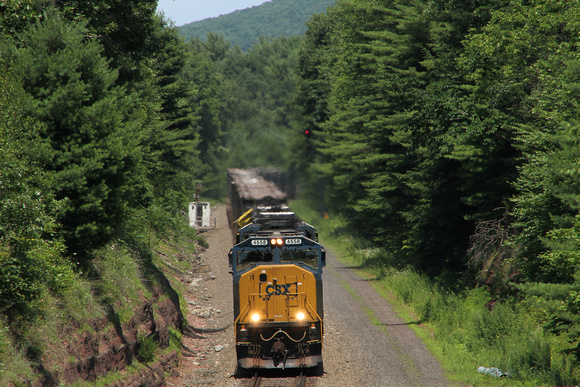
[242, 313]
[312, 310]
[302, 295]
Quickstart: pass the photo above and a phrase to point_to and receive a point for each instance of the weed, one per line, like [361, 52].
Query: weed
[146, 348]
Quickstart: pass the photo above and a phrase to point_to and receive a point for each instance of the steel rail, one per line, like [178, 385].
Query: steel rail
[300, 380]
[256, 380]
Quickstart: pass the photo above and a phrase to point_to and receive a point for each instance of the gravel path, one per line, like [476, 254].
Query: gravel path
[366, 344]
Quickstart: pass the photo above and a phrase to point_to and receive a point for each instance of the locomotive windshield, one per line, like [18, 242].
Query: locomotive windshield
[245, 258]
[307, 256]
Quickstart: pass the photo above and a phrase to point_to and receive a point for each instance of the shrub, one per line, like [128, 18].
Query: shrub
[146, 348]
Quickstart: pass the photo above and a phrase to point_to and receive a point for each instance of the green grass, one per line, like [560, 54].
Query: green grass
[459, 327]
[14, 367]
[112, 377]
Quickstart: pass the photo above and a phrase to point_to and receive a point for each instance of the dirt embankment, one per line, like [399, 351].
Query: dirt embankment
[106, 346]
[102, 346]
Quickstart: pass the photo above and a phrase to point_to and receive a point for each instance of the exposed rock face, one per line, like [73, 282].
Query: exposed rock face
[110, 346]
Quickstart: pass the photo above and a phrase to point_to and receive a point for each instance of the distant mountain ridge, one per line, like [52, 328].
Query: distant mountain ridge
[272, 19]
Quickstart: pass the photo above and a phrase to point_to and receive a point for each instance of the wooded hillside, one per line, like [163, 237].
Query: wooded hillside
[272, 19]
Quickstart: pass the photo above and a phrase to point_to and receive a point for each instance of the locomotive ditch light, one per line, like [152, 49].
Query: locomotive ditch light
[243, 334]
[312, 332]
[300, 316]
[256, 317]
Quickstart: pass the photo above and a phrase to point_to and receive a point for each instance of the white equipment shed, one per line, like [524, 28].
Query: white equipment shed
[199, 214]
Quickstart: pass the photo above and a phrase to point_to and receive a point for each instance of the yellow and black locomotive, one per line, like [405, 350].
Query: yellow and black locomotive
[278, 314]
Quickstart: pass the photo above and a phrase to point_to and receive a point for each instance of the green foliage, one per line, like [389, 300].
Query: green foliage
[245, 27]
[424, 114]
[362, 91]
[175, 337]
[465, 328]
[124, 29]
[146, 348]
[173, 147]
[121, 275]
[15, 15]
[258, 112]
[148, 226]
[29, 258]
[14, 369]
[99, 102]
[475, 331]
[91, 138]
[253, 102]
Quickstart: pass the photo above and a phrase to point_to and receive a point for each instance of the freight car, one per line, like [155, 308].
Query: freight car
[277, 276]
[248, 190]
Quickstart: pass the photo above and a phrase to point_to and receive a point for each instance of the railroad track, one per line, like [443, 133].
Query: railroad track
[256, 380]
[259, 381]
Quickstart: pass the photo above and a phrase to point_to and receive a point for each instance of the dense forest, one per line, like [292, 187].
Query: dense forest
[272, 19]
[445, 132]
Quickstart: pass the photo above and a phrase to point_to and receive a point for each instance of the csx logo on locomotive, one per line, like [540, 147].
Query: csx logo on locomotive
[277, 290]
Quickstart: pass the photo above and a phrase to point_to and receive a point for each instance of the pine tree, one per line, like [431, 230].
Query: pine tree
[173, 142]
[30, 257]
[90, 132]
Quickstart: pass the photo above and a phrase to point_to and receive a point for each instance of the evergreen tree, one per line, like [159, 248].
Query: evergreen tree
[202, 71]
[407, 145]
[173, 153]
[16, 15]
[524, 65]
[123, 28]
[258, 91]
[89, 127]
[30, 257]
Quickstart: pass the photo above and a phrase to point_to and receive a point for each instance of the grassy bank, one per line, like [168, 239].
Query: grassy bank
[45, 340]
[464, 328]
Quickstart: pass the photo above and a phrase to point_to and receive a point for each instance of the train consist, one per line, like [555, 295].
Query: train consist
[277, 264]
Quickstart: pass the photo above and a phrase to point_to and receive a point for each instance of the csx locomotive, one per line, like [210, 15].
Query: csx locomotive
[278, 313]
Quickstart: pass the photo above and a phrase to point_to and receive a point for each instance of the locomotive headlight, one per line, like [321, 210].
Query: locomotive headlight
[300, 316]
[255, 317]
[277, 241]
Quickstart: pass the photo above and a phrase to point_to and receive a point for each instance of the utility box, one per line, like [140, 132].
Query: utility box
[200, 215]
